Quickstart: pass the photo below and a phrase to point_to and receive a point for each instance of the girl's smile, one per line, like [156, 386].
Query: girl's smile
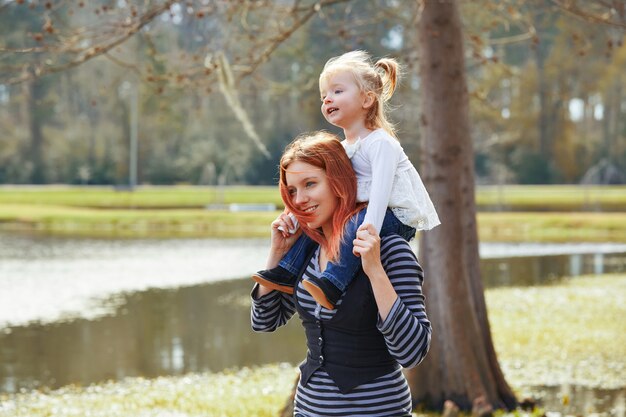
[341, 97]
[344, 104]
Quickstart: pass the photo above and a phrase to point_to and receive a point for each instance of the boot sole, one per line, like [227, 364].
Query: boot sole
[318, 294]
[272, 285]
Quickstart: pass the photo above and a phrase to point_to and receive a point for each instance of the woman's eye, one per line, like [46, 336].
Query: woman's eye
[310, 184]
[338, 91]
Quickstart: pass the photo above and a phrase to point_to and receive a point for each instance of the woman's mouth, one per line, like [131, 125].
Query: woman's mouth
[310, 209]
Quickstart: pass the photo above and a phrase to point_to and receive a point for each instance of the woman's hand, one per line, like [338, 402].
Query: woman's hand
[282, 240]
[367, 246]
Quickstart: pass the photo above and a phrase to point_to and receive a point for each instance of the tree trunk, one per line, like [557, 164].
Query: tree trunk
[615, 133]
[35, 93]
[544, 22]
[462, 363]
[543, 121]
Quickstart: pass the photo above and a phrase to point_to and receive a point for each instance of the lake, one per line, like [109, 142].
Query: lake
[78, 311]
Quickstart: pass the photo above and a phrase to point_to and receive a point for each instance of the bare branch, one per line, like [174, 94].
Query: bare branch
[121, 63]
[96, 50]
[515, 38]
[283, 36]
[572, 8]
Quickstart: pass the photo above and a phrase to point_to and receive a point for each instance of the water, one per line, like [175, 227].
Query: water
[85, 310]
[48, 279]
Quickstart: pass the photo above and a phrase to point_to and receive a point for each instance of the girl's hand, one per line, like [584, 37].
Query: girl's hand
[282, 240]
[367, 246]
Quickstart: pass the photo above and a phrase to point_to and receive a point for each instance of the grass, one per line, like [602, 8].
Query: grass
[258, 392]
[180, 211]
[134, 223]
[179, 197]
[572, 333]
[552, 197]
[493, 226]
[552, 227]
[509, 197]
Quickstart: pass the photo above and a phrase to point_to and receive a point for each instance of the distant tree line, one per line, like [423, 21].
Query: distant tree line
[222, 86]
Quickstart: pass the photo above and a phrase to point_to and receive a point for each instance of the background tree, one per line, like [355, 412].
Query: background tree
[169, 50]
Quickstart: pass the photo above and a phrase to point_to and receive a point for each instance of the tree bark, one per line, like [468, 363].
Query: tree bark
[544, 22]
[35, 93]
[462, 363]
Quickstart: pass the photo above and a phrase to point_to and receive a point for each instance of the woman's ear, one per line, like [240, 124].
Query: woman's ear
[368, 99]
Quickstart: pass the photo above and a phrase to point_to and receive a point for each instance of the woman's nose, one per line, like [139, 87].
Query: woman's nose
[301, 198]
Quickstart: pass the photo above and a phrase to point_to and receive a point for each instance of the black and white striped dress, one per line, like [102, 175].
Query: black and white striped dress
[406, 331]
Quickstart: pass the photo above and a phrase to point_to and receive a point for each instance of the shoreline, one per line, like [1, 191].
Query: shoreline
[166, 224]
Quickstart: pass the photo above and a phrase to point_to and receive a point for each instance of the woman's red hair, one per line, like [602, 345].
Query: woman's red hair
[323, 150]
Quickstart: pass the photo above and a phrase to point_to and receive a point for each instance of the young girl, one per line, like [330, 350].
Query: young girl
[354, 94]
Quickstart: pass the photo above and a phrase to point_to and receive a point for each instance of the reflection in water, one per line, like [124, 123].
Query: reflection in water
[156, 332]
[541, 270]
[575, 400]
[48, 279]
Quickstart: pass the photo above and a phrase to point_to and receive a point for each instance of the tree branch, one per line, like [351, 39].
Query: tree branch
[279, 39]
[573, 9]
[94, 51]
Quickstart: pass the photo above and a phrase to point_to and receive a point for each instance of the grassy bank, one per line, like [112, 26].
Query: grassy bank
[81, 221]
[570, 333]
[573, 332]
[510, 197]
[178, 197]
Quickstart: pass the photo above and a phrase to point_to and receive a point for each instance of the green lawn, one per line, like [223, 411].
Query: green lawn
[552, 197]
[181, 212]
[80, 221]
[511, 197]
[492, 226]
[143, 197]
[572, 331]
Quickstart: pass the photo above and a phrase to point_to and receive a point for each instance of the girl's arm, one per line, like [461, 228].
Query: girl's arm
[384, 155]
[396, 279]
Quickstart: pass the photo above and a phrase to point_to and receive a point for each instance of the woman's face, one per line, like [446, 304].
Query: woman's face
[310, 191]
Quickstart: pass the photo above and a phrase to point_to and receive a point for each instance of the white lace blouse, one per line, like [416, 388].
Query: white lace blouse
[386, 178]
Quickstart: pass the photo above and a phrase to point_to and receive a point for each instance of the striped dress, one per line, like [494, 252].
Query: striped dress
[406, 331]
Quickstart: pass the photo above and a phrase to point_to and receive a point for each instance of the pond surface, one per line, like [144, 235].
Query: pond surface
[77, 311]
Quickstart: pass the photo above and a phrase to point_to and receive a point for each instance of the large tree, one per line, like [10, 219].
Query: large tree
[462, 364]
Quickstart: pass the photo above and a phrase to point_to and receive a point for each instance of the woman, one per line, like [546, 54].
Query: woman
[356, 351]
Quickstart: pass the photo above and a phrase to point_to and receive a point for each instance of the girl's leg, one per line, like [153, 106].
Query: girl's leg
[283, 277]
[294, 259]
[327, 289]
[341, 274]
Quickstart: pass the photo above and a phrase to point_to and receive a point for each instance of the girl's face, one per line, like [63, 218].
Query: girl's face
[343, 103]
[310, 191]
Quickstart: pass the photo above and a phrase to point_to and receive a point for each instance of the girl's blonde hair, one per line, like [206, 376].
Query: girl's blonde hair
[379, 79]
[323, 150]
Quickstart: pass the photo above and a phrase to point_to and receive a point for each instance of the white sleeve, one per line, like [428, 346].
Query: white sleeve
[384, 157]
